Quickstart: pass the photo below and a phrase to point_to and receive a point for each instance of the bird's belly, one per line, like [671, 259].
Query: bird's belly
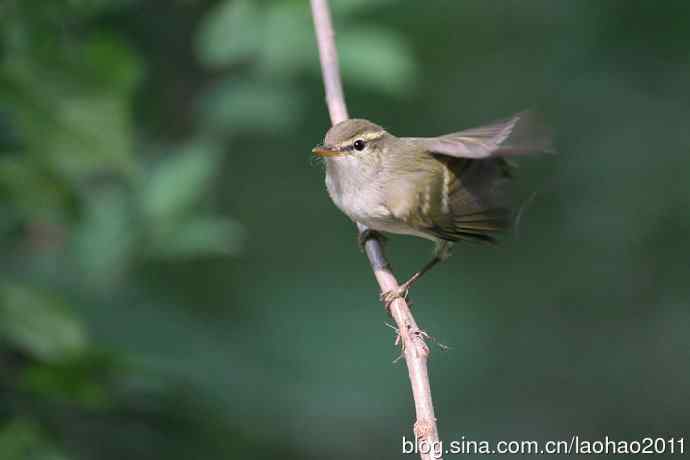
[367, 207]
[364, 208]
[395, 225]
[363, 200]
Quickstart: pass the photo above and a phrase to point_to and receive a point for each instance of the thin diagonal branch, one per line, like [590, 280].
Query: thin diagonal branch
[414, 346]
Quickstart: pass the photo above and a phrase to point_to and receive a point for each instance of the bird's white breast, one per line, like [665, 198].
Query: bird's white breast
[356, 193]
[361, 196]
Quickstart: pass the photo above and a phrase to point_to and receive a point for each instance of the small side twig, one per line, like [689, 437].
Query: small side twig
[413, 343]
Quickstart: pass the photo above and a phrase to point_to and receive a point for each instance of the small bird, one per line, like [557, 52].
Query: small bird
[446, 189]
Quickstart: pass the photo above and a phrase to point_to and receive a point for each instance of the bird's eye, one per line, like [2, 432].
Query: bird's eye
[359, 145]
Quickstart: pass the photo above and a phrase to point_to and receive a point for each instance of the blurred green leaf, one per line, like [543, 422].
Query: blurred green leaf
[90, 134]
[229, 32]
[110, 66]
[82, 379]
[250, 106]
[22, 440]
[179, 181]
[33, 192]
[201, 236]
[105, 237]
[73, 112]
[282, 57]
[376, 57]
[39, 324]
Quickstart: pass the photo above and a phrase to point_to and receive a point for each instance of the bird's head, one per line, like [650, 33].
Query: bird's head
[356, 137]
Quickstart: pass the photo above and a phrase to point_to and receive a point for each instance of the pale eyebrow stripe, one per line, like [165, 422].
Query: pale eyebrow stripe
[364, 137]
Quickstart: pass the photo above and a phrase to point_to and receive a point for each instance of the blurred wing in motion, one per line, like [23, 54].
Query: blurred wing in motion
[522, 134]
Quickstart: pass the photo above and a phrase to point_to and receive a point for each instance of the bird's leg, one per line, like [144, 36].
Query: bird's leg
[441, 253]
[367, 235]
[401, 292]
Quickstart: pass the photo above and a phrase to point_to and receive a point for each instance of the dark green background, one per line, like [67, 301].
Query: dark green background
[176, 284]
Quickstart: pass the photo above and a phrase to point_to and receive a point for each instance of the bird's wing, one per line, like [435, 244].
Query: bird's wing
[476, 205]
[521, 134]
[452, 198]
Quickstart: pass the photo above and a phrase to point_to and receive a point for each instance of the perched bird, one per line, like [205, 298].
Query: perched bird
[446, 189]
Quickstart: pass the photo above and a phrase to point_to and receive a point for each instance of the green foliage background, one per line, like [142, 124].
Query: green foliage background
[176, 284]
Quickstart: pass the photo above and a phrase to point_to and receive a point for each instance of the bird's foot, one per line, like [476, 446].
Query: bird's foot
[389, 297]
[367, 235]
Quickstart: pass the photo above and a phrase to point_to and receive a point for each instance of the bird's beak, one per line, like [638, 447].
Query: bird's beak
[326, 151]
